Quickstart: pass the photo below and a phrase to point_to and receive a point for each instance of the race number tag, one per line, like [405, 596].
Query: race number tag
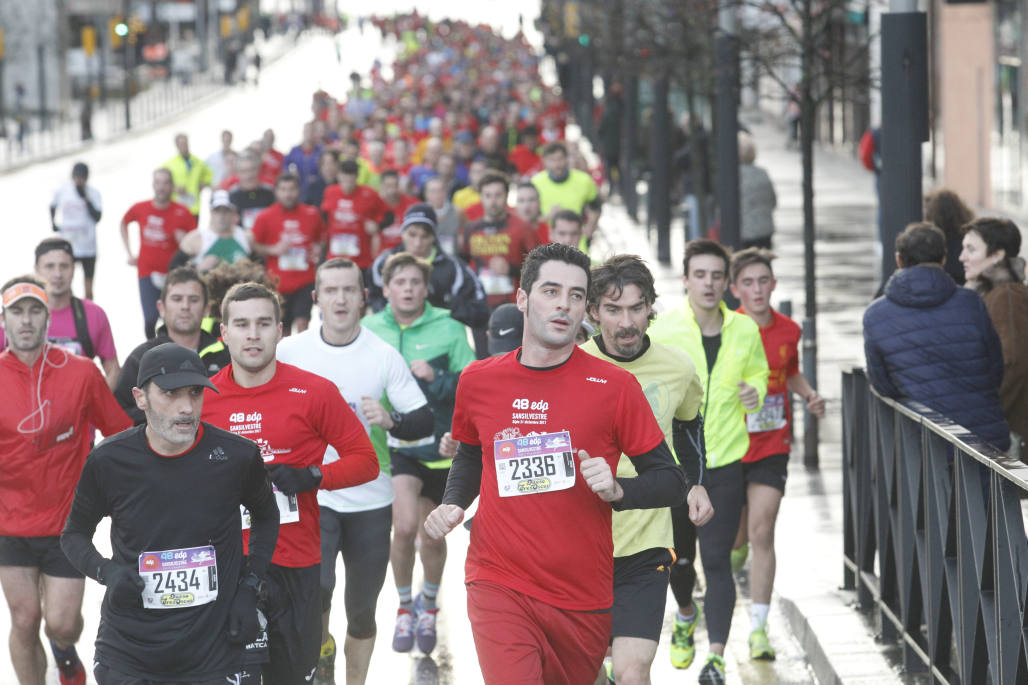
[534, 464]
[295, 259]
[344, 245]
[288, 508]
[495, 284]
[178, 578]
[771, 416]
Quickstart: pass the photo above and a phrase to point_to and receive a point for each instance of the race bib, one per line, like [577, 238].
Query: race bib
[293, 260]
[534, 464]
[177, 578]
[345, 245]
[288, 509]
[496, 284]
[771, 416]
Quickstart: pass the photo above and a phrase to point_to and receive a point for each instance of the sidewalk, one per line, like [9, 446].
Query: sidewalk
[836, 639]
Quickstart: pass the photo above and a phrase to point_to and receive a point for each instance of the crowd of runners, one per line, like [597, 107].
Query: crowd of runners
[262, 453]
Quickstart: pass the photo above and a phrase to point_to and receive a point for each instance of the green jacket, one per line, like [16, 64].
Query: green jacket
[442, 341]
[740, 358]
[193, 175]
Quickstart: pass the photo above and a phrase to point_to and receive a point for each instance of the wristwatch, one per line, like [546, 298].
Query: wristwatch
[315, 471]
[397, 419]
[251, 581]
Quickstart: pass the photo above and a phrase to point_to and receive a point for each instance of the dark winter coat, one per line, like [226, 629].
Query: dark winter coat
[931, 341]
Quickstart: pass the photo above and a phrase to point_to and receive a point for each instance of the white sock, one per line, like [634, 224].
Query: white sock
[758, 614]
[686, 619]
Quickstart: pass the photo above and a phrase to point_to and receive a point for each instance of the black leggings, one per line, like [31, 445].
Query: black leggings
[727, 493]
[362, 538]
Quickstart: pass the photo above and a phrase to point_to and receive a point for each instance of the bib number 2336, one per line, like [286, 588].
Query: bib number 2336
[534, 464]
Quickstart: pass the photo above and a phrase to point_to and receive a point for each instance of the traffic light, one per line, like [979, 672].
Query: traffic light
[89, 40]
[118, 29]
[583, 40]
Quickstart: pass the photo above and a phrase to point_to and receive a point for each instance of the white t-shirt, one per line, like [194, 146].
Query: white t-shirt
[73, 220]
[367, 367]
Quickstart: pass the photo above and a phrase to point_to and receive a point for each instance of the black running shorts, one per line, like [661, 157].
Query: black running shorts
[43, 553]
[640, 593]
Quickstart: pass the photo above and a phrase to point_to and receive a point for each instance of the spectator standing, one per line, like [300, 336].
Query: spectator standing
[79, 207]
[931, 341]
[995, 270]
[945, 209]
[757, 197]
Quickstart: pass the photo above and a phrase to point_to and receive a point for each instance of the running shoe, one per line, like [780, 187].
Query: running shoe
[403, 634]
[739, 557]
[71, 671]
[760, 648]
[424, 630]
[326, 673]
[713, 672]
[683, 647]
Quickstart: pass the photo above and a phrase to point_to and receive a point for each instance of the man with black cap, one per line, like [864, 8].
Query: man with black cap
[181, 598]
[80, 207]
[452, 284]
[53, 399]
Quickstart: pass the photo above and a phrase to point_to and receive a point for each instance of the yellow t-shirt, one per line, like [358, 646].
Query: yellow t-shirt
[672, 387]
[465, 197]
[574, 193]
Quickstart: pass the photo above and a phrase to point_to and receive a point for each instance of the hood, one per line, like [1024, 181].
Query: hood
[920, 286]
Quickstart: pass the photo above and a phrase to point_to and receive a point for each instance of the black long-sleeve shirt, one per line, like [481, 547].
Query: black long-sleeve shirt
[159, 503]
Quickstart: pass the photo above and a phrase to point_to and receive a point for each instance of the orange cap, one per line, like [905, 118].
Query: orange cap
[22, 290]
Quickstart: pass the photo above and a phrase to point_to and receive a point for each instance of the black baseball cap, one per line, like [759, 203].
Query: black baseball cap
[506, 326]
[420, 213]
[171, 367]
[54, 243]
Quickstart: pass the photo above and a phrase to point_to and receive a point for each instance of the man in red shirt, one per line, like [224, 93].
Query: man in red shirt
[53, 399]
[353, 214]
[272, 161]
[527, 207]
[162, 225]
[396, 204]
[292, 238]
[540, 564]
[292, 415]
[765, 463]
[524, 156]
[495, 245]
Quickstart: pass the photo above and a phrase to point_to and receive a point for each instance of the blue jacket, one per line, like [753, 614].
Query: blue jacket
[932, 341]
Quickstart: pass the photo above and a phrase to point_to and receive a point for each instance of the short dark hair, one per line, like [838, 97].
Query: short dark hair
[748, 257]
[567, 215]
[390, 173]
[349, 167]
[491, 178]
[921, 243]
[250, 290]
[550, 253]
[555, 146]
[287, 177]
[403, 259]
[325, 152]
[702, 246]
[183, 274]
[611, 277]
[338, 263]
[528, 185]
[997, 234]
[54, 243]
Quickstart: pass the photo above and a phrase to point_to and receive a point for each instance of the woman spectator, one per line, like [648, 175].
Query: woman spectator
[945, 209]
[756, 197]
[994, 269]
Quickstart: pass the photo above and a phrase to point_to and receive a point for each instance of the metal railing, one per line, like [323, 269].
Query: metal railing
[934, 539]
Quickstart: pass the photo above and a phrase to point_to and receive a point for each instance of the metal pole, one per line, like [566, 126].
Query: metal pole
[629, 132]
[726, 66]
[126, 42]
[201, 32]
[660, 162]
[44, 123]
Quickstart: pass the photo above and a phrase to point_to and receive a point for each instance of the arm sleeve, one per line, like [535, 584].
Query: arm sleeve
[413, 425]
[104, 411]
[660, 483]
[334, 419]
[88, 507]
[690, 447]
[264, 517]
[123, 390]
[465, 479]
[104, 340]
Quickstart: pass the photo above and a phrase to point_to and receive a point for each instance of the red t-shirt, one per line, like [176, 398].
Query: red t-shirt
[770, 432]
[392, 235]
[303, 228]
[542, 233]
[525, 160]
[553, 546]
[511, 239]
[474, 212]
[271, 166]
[160, 231]
[44, 448]
[346, 215]
[292, 418]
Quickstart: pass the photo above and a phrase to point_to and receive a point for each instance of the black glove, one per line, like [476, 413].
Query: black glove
[124, 585]
[291, 480]
[242, 615]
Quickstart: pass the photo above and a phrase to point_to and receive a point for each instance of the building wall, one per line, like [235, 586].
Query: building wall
[967, 68]
[28, 25]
